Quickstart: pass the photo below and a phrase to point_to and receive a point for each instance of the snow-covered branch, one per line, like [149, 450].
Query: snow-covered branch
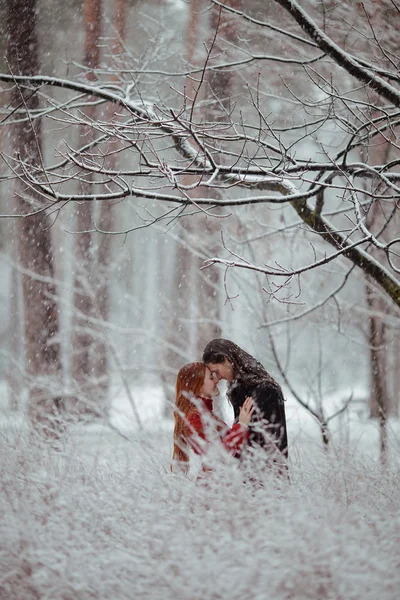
[342, 58]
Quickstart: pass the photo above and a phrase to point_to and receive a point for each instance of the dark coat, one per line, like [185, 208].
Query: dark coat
[269, 407]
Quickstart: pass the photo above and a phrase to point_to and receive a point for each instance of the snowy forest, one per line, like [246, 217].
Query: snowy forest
[174, 171]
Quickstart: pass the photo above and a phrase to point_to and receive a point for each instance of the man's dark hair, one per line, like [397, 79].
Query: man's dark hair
[245, 367]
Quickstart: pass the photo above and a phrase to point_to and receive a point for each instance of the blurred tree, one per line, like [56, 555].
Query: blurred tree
[88, 350]
[106, 219]
[208, 94]
[181, 329]
[34, 245]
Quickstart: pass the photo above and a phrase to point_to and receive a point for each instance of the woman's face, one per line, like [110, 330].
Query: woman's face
[209, 387]
[222, 370]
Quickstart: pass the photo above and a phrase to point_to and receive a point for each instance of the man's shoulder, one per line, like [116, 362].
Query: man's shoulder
[272, 389]
[240, 388]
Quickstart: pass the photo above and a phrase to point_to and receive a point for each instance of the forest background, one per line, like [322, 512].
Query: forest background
[170, 172]
[137, 302]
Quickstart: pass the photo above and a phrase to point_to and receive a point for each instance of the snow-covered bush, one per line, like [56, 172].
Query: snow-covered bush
[105, 518]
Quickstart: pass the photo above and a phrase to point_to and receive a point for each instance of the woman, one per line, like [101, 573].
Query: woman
[247, 377]
[195, 388]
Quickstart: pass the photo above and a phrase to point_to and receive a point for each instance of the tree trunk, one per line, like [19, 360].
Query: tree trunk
[34, 245]
[218, 93]
[88, 362]
[381, 403]
[197, 301]
[195, 319]
[379, 398]
[16, 363]
[13, 331]
[179, 330]
[107, 222]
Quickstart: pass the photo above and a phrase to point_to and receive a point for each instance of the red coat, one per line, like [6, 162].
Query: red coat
[233, 439]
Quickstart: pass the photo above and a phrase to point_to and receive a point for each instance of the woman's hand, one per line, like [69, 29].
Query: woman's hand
[246, 411]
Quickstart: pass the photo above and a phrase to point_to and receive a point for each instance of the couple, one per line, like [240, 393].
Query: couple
[256, 398]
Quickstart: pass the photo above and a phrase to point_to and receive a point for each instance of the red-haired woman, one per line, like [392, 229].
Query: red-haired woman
[195, 388]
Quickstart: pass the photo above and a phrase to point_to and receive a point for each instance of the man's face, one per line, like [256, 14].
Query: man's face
[222, 370]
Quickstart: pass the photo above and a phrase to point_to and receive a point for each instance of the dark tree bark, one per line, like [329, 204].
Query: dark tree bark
[34, 244]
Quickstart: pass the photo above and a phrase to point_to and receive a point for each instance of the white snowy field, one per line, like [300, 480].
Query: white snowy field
[103, 517]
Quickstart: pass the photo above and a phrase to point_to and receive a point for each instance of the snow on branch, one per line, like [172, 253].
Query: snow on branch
[142, 110]
[340, 56]
[185, 140]
[280, 271]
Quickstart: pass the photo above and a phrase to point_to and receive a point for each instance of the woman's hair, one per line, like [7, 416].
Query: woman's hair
[188, 385]
[246, 369]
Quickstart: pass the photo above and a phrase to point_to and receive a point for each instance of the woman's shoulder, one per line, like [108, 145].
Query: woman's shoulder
[193, 415]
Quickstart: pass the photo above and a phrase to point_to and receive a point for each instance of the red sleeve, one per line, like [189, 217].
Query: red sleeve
[236, 438]
[233, 439]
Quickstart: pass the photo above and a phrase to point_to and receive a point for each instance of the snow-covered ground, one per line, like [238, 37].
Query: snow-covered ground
[103, 517]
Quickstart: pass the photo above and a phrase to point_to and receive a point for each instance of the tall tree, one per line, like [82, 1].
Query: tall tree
[34, 244]
[88, 358]
[13, 329]
[381, 216]
[195, 308]
[181, 328]
[217, 95]
[106, 214]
